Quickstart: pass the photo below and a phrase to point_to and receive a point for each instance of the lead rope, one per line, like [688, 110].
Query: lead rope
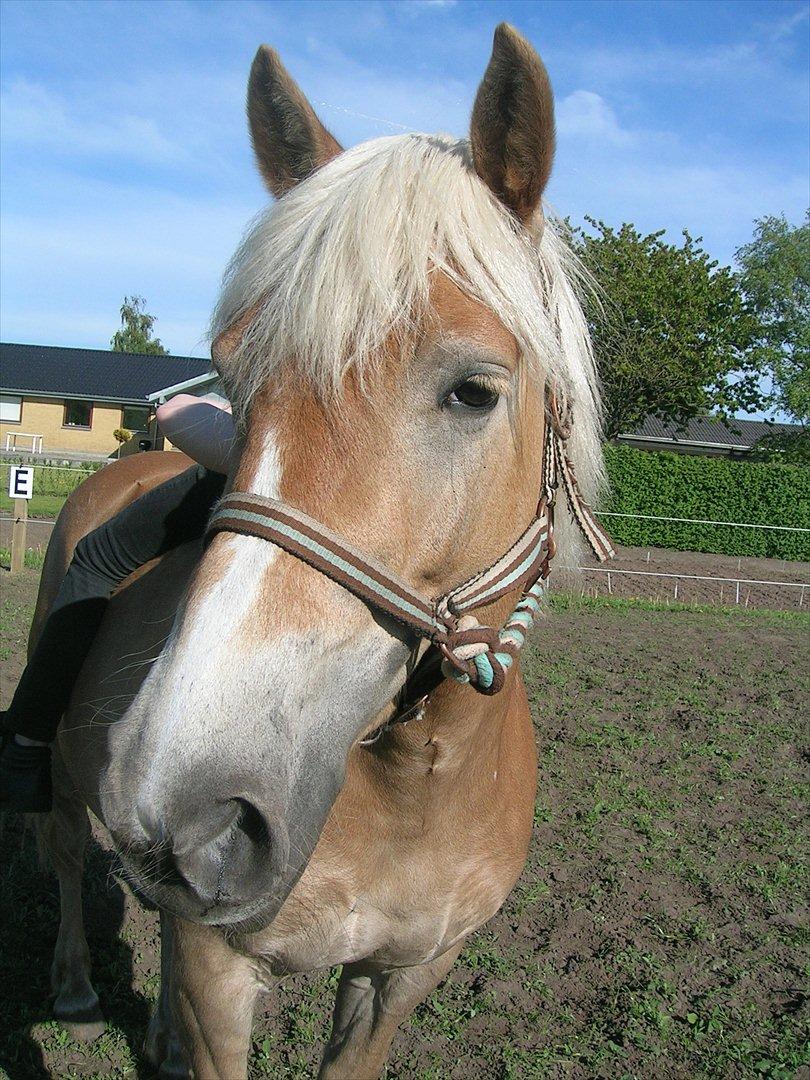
[481, 656]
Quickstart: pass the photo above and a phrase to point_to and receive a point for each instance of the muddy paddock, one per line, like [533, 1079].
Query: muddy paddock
[657, 930]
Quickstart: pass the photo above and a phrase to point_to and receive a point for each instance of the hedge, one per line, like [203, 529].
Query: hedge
[717, 489]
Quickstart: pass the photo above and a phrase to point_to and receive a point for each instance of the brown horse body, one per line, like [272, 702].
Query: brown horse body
[240, 678]
[422, 845]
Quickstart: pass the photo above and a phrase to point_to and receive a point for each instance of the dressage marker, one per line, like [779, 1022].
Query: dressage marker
[20, 490]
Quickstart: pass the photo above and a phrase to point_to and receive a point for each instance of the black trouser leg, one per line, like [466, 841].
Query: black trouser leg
[162, 519]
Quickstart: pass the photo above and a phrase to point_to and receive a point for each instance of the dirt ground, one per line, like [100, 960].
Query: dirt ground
[658, 931]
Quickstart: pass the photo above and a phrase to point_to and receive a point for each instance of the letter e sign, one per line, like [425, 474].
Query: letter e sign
[20, 482]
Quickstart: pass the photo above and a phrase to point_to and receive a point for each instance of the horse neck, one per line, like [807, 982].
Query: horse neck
[460, 737]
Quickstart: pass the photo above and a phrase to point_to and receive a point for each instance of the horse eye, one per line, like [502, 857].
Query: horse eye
[474, 394]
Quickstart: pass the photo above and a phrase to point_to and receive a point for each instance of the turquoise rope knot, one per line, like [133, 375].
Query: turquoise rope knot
[475, 655]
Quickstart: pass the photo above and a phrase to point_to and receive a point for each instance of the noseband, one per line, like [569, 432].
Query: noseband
[460, 647]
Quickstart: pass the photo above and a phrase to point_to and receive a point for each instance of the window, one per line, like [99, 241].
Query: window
[135, 417]
[78, 414]
[10, 409]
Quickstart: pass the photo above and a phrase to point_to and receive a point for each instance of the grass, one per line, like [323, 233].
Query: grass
[16, 612]
[573, 602]
[34, 558]
[39, 505]
[52, 485]
[658, 931]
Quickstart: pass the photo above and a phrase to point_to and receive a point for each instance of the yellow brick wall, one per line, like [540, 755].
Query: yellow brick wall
[44, 416]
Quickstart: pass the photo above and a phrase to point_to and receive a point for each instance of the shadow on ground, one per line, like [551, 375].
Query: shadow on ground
[29, 914]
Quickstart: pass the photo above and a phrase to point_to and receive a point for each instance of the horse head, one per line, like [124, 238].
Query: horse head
[385, 332]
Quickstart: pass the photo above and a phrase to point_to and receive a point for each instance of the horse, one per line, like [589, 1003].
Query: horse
[402, 339]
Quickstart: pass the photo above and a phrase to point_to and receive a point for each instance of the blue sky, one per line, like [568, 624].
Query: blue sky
[127, 166]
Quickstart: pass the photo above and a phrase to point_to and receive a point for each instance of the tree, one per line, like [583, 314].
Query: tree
[671, 331]
[135, 335]
[775, 274]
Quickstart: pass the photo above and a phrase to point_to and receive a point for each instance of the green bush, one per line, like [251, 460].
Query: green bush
[717, 489]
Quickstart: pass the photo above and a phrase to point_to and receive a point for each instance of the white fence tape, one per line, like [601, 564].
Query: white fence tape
[58, 468]
[677, 578]
[33, 521]
[700, 521]
[609, 571]
[692, 577]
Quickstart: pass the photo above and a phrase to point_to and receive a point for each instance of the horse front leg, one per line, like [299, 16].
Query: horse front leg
[213, 994]
[63, 836]
[162, 1044]
[371, 1004]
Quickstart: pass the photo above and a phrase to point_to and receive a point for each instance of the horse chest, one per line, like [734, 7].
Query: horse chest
[406, 917]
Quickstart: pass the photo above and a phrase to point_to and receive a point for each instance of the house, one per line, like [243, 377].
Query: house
[197, 386]
[706, 435]
[57, 399]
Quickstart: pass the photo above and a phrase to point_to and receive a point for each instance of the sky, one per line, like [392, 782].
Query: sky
[127, 166]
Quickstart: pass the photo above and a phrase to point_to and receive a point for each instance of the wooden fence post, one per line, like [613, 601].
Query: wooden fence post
[18, 531]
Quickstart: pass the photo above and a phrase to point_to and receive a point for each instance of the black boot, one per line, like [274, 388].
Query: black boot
[25, 777]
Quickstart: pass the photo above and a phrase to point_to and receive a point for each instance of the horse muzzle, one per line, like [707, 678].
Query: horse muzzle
[218, 862]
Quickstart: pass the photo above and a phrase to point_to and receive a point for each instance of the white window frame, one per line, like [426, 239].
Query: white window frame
[10, 402]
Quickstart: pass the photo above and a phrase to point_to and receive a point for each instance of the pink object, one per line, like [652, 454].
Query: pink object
[200, 427]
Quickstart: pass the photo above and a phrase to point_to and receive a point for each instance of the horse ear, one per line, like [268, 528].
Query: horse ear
[512, 127]
[289, 139]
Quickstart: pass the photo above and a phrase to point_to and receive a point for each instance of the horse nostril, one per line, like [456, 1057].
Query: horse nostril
[216, 851]
[252, 823]
[150, 822]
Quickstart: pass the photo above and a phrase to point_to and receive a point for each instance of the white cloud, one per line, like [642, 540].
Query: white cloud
[585, 114]
[781, 29]
[359, 101]
[747, 75]
[128, 120]
[416, 5]
[138, 178]
[66, 272]
[670, 189]
[32, 115]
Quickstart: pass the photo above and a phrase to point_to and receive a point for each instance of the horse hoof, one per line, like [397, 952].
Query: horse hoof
[171, 1065]
[173, 1070]
[82, 1024]
[83, 1031]
[162, 1049]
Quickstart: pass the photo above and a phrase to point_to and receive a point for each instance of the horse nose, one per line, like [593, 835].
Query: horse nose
[224, 852]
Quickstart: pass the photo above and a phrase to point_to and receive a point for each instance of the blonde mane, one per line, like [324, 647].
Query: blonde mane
[344, 260]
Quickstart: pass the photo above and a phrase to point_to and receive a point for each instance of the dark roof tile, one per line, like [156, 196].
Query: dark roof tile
[707, 429]
[93, 374]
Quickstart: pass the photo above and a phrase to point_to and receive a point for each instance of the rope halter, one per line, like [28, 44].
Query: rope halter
[469, 651]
